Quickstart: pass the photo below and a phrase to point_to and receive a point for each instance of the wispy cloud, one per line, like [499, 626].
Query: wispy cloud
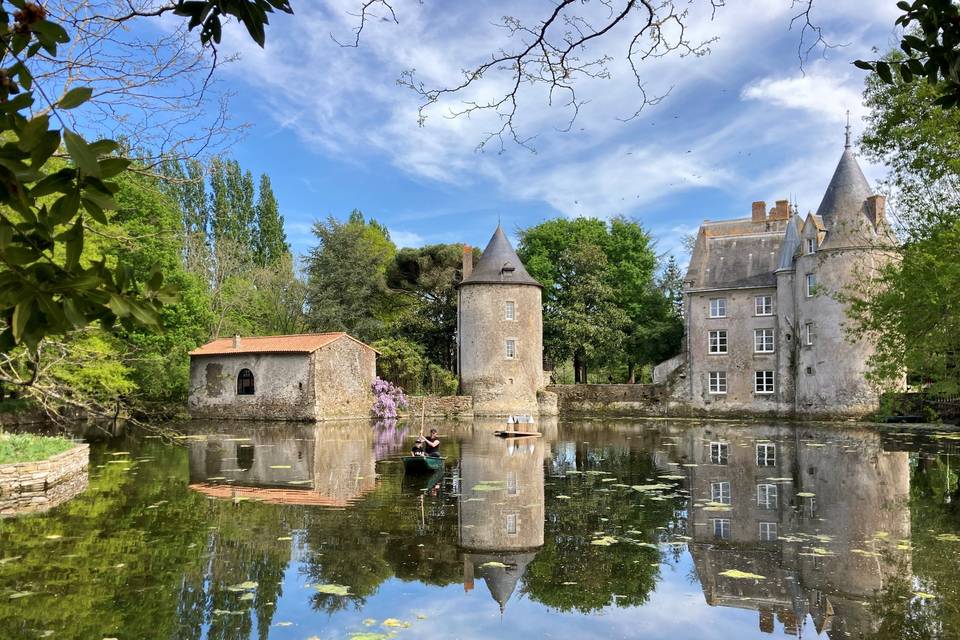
[743, 123]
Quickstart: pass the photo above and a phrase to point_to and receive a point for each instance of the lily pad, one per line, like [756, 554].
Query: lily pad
[393, 623]
[605, 541]
[494, 564]
[243, 586]
[741, 575]
[333, 589]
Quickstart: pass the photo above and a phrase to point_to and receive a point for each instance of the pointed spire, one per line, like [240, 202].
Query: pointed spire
[499, 264]
[846, 144]
[848, 187]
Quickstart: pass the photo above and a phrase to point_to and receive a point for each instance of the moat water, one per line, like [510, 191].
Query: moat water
[599, 529]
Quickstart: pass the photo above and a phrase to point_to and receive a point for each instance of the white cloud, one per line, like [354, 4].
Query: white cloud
[344, 102]
[823, 92]
[405, 238]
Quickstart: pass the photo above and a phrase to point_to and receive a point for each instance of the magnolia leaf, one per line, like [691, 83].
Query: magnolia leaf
[75, 97]
[83, 156]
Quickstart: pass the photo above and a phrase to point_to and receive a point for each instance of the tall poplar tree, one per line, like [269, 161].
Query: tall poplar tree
[271, 241]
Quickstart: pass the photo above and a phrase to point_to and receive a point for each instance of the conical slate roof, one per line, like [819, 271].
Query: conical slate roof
[791, 243]
[499, 264]
[847, 190]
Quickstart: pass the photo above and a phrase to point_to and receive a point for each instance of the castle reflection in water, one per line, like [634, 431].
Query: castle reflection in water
[821, 513]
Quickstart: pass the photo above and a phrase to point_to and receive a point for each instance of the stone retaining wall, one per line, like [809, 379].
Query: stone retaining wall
[27, 487]
[613, 399]
[440, 406]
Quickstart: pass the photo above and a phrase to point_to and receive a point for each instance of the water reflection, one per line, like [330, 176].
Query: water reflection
[822, 515]
[330, 465]
[598, 529]
[501, 510]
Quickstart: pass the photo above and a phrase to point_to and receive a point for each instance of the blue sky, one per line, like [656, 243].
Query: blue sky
[335, 132]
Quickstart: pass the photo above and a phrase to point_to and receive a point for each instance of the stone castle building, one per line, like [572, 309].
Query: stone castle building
[765, 328]
[500, 331]
[307, 377]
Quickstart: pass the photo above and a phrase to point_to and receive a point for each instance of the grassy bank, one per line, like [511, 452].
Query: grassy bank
[25, 447]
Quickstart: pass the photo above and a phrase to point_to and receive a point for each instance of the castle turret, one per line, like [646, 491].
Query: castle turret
[500, 332]
[841, 246]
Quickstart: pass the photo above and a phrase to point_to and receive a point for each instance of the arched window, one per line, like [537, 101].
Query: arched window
[245, 383]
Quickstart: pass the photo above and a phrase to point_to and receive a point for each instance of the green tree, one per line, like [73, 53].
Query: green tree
[911, 307]
[346, 277]
[271, 241]
[601, 302]
[428, 277]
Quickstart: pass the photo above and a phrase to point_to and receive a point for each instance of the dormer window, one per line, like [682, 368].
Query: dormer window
[811, 245]
[507, 269]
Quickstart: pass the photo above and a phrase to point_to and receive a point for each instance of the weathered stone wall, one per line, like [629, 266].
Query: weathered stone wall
[831, 372]
[500, 385]
[283, 387]
[29, 487]
[613, 399]
[343, 374]
[440, 406]
[741, 360]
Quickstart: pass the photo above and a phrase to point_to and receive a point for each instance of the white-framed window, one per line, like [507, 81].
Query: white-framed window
[763, 305]
[766, 454]
[763, 381]
[720, 492]
[511, 351]
[763, 340]
[768, 531]
[811, 285]
[767, 496]
[718, 307]
[808, 334]
[510, 310]
[719, 452]
[721, 528]
[512, 488]
[718, 382]
[718, 341]
[811, 245]
[510, 524]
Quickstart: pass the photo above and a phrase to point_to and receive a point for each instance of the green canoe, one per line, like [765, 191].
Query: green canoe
[421, 464]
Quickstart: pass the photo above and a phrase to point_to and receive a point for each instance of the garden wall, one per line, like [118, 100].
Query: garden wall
[27, 487]
[440, 406]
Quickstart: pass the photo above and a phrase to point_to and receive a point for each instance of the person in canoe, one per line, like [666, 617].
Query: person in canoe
[432, 443]
[419, 447]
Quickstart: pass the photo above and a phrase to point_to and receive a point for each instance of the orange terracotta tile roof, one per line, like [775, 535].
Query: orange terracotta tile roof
[300, 343]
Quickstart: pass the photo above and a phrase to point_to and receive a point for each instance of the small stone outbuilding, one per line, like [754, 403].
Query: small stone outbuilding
[306, 377]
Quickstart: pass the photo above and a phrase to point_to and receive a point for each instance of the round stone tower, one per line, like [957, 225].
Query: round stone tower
[500, 332]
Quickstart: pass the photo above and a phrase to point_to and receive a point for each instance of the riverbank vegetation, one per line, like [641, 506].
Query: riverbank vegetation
[26, 447]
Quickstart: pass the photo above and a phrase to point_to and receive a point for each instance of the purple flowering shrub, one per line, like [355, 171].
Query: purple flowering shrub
[388, 398]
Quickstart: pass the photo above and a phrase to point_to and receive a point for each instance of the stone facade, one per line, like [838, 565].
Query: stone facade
[766, 327]
[306, 378]
[456, 407]
[500, 332]
[31, 487]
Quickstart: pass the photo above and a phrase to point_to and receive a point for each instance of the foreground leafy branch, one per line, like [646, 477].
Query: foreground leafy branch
[48, 287]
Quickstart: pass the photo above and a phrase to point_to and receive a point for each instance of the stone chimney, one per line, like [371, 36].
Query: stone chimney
[467, 261]
[759, 213]
[236, 341]
[877, 209]
[781, 211]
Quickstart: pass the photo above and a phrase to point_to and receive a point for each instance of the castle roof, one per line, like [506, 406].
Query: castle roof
[300, 343]
[791, 243]
[499, 264]
[847, 190]
[736, 253]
